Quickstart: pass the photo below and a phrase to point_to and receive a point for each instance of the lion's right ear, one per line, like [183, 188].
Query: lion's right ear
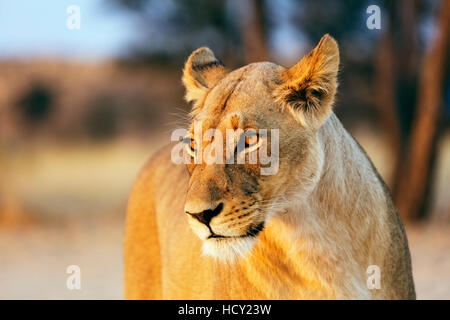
[201, 72]
[309, 87]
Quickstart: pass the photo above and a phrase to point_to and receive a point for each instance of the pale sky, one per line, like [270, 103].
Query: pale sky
[30, 28]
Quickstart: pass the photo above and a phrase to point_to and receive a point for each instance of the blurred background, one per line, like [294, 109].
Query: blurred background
[81, 110]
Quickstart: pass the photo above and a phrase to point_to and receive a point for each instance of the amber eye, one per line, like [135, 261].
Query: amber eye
[251, 139]
[191, 146]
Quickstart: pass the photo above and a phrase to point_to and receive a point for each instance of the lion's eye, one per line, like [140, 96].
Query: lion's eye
[191, 146]
[252, 140]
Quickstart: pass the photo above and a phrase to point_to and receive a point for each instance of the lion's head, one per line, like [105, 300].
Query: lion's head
[229, 204]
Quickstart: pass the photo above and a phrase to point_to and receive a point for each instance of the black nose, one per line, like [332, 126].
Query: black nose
[207, 215]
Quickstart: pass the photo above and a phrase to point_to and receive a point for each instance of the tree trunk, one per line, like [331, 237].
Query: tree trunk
[404, 27]
[385, 98]
[413, 180]
[252, 31]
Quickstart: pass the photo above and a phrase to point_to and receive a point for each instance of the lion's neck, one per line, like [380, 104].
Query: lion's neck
[325, 242]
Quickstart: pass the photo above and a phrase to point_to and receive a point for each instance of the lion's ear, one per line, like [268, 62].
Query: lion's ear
[201, 72]
[308, 88]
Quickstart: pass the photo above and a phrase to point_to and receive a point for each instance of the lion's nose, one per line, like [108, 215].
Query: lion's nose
[206, 216]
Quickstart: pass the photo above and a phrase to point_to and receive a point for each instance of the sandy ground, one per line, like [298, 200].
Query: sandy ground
[34, 261]
[430, 253]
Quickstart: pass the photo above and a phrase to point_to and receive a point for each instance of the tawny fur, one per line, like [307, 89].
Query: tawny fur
[327, 213]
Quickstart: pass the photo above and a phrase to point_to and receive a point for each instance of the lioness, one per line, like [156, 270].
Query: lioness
[225, 231]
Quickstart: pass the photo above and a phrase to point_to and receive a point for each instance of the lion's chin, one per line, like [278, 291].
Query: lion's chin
[228, 249]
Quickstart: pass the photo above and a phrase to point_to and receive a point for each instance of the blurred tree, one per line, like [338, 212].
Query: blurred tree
[415, 178]
[35, 105]
[404, 17]
[253, 34]
[402, 82]
[342, 19]
[173, 29]
[102, 118]
[385, 83]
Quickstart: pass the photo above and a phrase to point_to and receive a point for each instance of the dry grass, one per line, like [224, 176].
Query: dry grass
[77, 180]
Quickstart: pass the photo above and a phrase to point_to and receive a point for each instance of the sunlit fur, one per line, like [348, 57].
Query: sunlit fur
[228, 250]
[327, 214]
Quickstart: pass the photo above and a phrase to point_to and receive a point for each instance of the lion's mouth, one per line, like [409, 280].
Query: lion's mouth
[251, 232]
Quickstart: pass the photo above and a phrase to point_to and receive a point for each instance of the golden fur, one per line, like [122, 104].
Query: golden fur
[327, 214]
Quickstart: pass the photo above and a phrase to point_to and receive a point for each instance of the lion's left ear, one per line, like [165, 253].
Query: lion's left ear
[201, 72]
[308, 88]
